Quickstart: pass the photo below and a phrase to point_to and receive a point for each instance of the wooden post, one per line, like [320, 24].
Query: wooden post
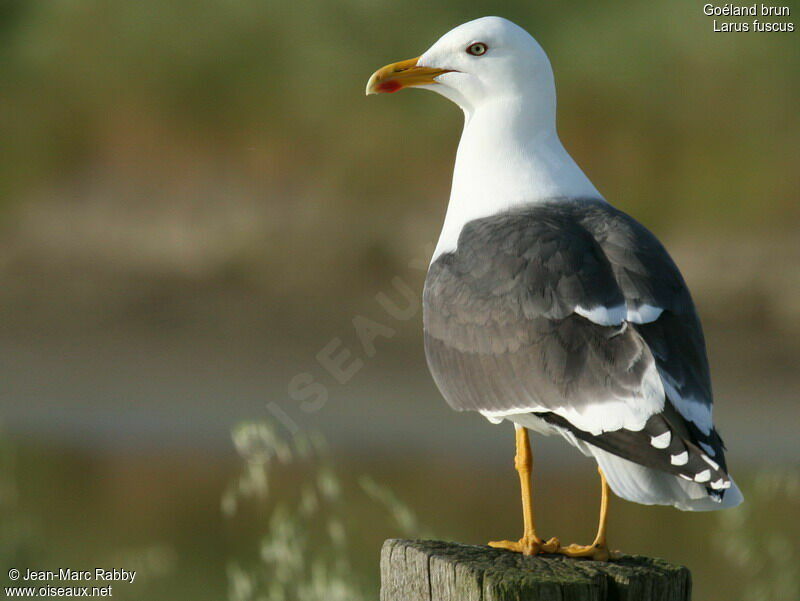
[440, 571]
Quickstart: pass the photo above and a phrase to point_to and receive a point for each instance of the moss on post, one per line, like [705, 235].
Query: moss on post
[441, 571]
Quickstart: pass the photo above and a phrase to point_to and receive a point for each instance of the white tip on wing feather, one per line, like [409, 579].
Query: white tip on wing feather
[643, 313]
[662, 440]
[614, 316]
[604, 316]
[680, 458]
[703, 476]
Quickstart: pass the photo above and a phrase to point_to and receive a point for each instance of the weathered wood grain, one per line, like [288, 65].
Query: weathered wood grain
[441, 571]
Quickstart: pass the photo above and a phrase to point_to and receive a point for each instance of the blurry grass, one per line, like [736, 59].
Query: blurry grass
[761, 538]
[306, 552]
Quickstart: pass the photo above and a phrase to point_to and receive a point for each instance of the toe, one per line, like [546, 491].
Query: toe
[595, 552]
[509, 545]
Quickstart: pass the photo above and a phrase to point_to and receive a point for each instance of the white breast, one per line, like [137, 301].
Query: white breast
[507, 158]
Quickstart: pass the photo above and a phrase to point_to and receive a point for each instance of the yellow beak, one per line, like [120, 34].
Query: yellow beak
[404, 74]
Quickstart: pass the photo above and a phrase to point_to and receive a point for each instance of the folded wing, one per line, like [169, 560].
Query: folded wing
[574, 312]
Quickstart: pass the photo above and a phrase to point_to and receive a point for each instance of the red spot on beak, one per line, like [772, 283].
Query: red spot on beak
[388, 87]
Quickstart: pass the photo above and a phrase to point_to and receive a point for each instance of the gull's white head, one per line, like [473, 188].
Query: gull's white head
[509, 153]
[483, 61]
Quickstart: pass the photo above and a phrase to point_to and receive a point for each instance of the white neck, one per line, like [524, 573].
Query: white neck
[507, 157]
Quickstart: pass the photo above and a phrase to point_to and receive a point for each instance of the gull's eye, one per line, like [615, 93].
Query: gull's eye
[477, 49]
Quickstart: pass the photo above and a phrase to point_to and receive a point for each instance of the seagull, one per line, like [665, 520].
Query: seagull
[546, 306]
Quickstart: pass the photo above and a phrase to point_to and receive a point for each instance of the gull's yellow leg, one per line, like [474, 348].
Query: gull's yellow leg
[530, 543]
[598, 550]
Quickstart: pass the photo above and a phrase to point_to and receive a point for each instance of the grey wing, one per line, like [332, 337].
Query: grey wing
[506, 326]
[574, 312]
[662, 311]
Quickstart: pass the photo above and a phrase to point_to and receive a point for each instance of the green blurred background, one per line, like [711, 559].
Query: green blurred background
[196, 198]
